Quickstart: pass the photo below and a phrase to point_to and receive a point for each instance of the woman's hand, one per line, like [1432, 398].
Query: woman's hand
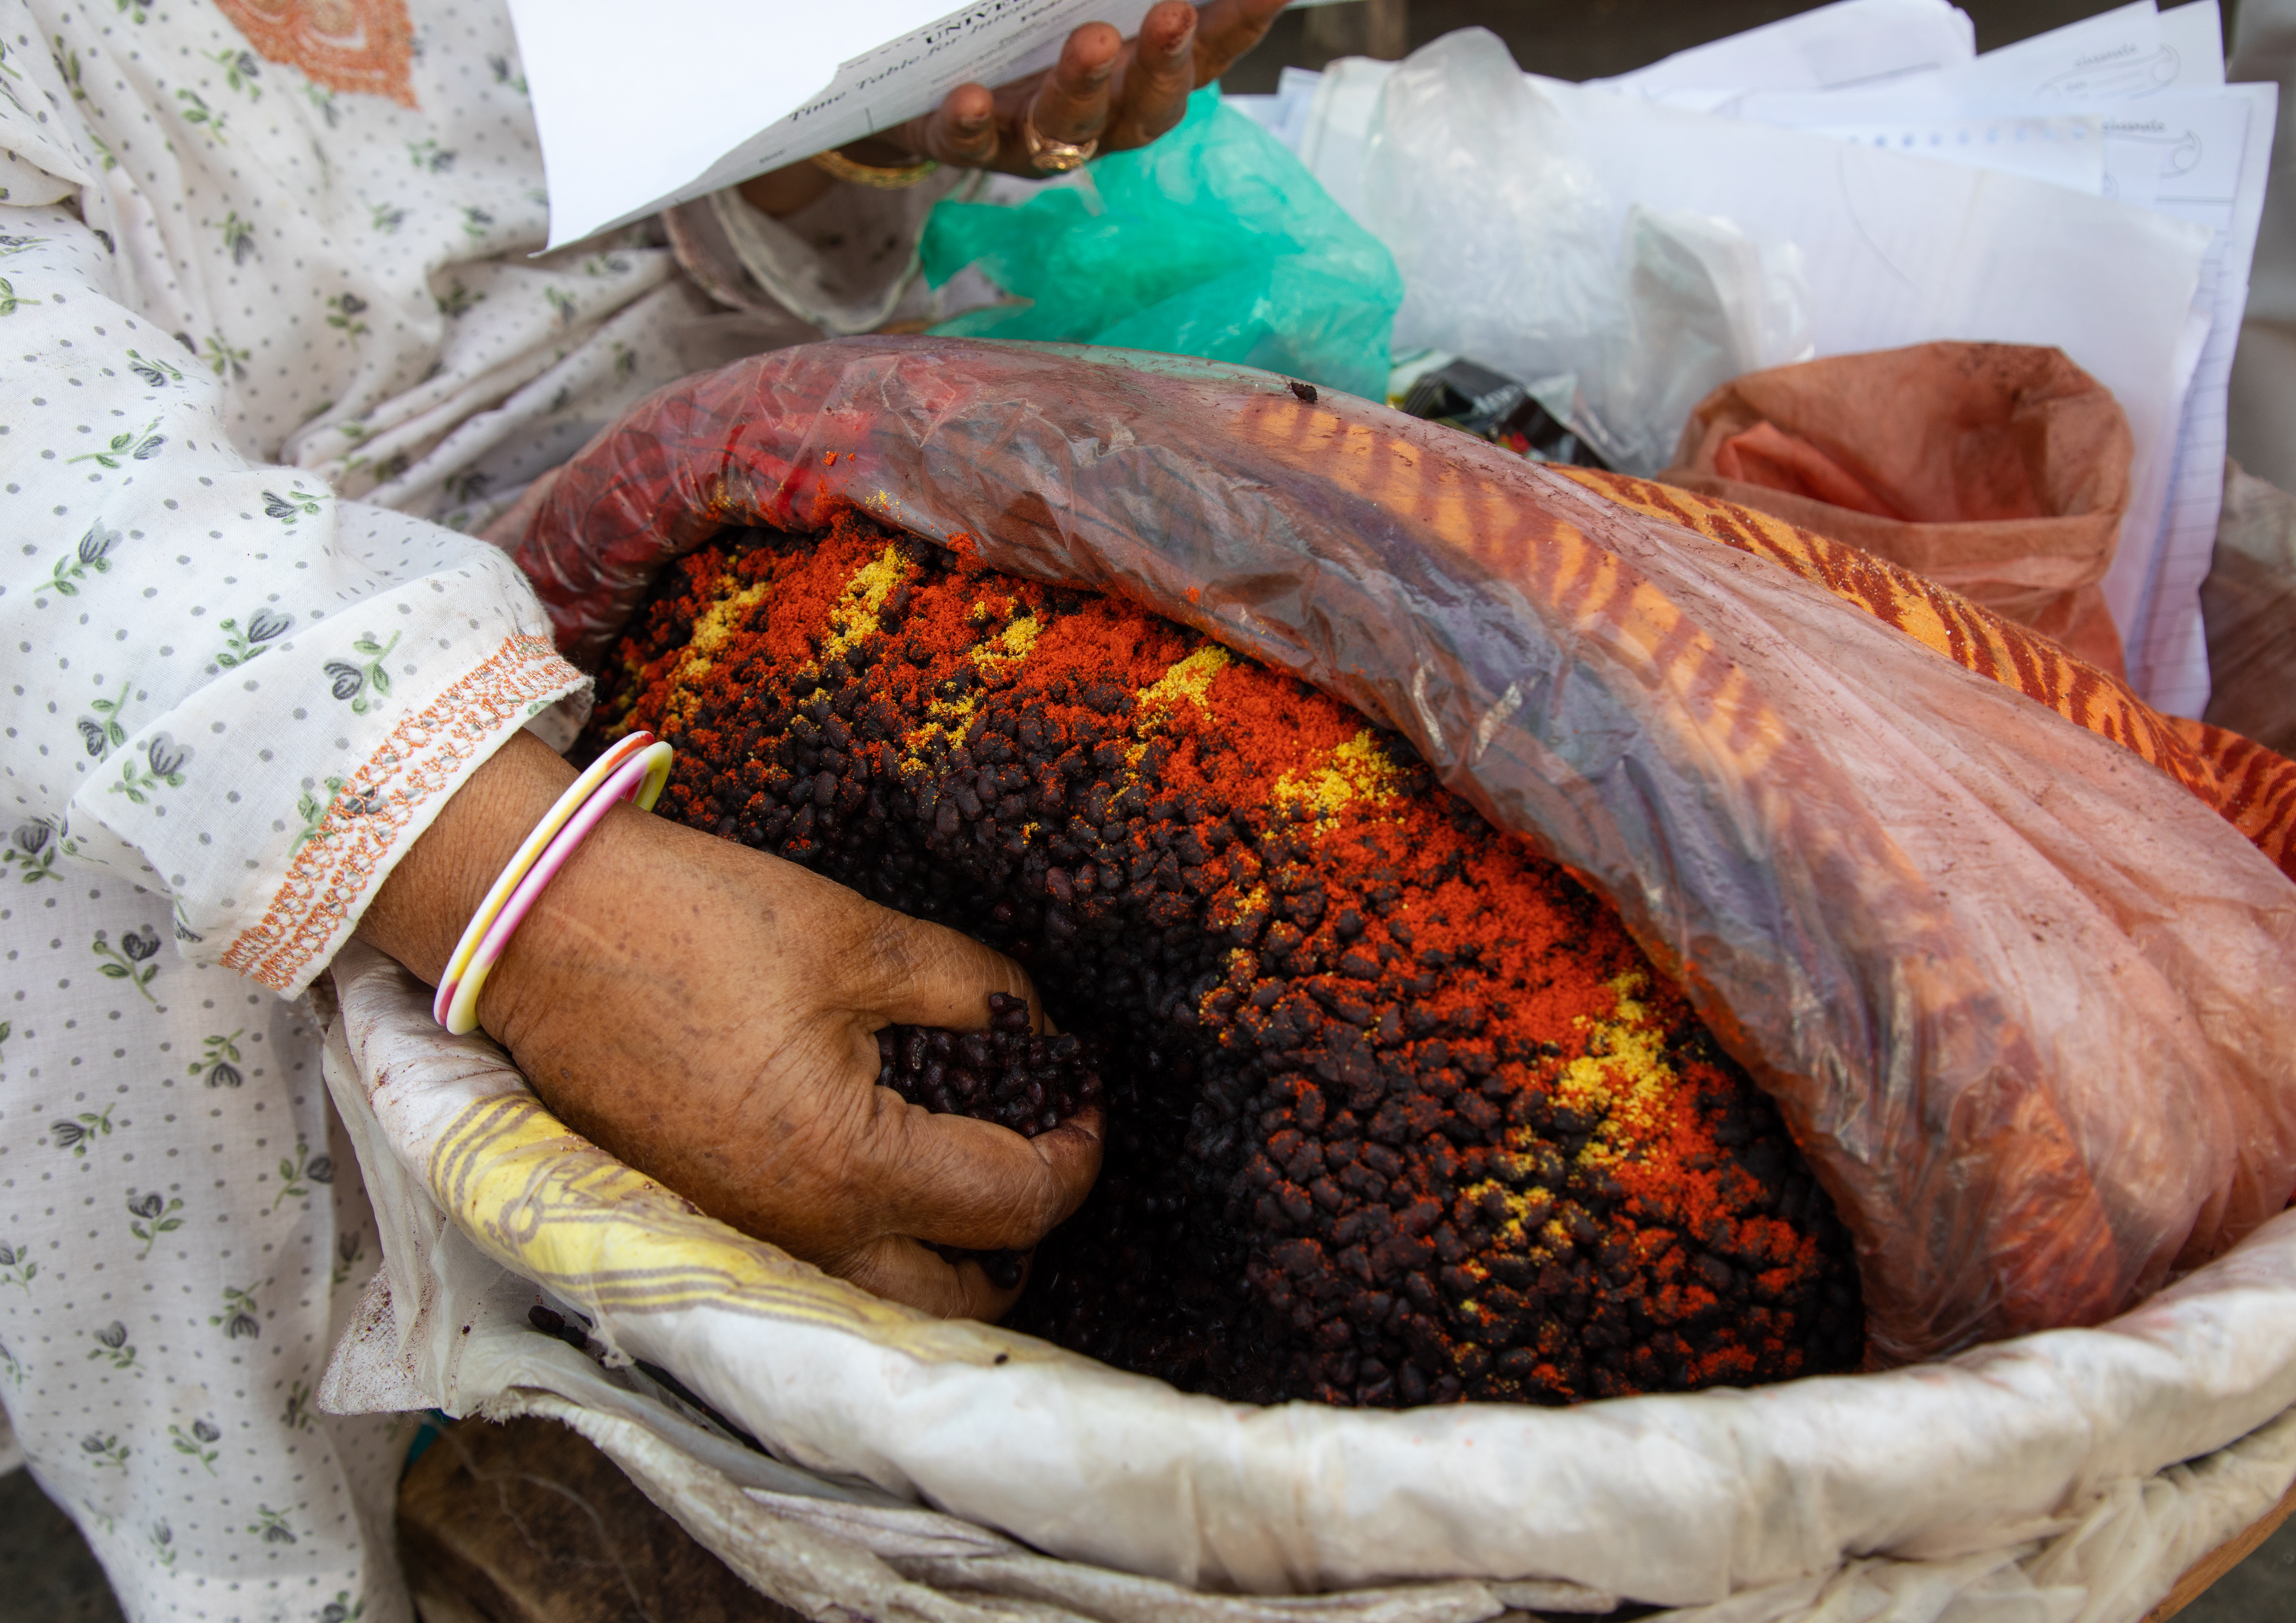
[708, 1013]
[1104, 88]
[1119, 92]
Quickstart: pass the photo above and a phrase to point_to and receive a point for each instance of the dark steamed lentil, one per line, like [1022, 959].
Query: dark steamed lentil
[1396, 1111]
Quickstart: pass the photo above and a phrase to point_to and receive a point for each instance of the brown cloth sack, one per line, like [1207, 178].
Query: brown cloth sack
[1999, 470]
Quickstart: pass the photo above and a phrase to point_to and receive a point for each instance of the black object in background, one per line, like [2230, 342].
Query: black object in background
[1498, 409]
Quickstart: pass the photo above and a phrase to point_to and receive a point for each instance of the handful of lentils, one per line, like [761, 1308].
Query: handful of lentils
[1396, 1113]
[1005, 1075]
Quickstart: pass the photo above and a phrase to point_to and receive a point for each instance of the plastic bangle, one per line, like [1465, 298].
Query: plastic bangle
[534, 844]
[641, 776]
[634, 768]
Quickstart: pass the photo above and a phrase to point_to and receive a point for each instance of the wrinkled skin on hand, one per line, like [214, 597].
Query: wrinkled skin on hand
[708, 1014]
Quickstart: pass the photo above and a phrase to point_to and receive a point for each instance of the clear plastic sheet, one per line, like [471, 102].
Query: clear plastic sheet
[1513, 255]
[2249, 605]
[2022, 997]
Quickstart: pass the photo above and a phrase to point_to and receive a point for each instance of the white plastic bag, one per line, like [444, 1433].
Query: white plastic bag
[1705, 303]
[1473, 180]
[1852, 832]
[913, 1469]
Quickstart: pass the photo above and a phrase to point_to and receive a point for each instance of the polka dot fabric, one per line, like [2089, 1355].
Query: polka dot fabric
[274, 346]
[184, 1233]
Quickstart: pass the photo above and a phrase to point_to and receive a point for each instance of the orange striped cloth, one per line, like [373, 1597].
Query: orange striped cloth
[2251, 787]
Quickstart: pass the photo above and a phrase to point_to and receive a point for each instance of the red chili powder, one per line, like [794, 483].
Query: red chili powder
[1399, 1113]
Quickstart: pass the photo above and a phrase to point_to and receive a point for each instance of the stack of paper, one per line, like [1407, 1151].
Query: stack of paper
[638, 113]
[2097, 188]
[1859, 42]
[2174, 139]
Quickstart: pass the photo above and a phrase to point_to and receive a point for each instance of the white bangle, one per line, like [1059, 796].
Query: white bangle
[634, 768]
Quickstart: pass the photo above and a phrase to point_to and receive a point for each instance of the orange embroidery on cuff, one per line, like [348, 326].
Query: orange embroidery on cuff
[360, 47]
[330, 872]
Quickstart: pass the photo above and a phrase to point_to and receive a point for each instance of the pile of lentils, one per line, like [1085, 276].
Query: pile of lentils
[1397, 1113]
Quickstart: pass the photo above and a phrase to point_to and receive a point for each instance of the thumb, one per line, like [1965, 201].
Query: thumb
[954, 1181]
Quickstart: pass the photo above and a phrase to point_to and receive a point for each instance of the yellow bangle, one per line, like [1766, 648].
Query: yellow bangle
[870, 175]
[634, 766]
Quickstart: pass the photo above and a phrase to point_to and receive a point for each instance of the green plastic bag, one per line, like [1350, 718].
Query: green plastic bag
[1214, 241]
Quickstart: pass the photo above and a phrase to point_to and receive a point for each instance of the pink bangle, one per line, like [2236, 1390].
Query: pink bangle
[636, 768]
[529, 850]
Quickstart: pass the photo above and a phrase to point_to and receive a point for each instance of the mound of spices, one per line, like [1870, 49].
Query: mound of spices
[1396, 1111]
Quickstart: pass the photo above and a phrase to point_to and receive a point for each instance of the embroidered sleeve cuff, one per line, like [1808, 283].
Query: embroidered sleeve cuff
[272, 802]
[383, 806]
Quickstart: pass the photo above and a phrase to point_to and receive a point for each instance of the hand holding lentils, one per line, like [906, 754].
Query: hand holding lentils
[1397, 1113]
[1002, 1074]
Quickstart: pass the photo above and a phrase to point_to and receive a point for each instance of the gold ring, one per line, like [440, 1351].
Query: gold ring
[871, 175]
[1049, 157]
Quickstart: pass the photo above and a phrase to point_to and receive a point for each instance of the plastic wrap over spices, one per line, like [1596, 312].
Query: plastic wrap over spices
[2020, 995]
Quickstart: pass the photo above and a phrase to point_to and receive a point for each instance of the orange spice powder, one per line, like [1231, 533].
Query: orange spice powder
[1399, 1112]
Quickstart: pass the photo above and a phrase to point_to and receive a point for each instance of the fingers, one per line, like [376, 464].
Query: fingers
[1158, 80]
[902, 1270]
[1225, 29]
[951, 1179]
[922, 974]
[956, 1181]
[961, 132]
[1101, 89]
[1072, 104]
[859, 1175]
